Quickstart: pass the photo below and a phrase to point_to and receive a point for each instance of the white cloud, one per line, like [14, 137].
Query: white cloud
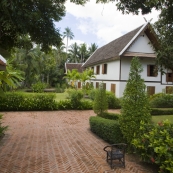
[104, 21]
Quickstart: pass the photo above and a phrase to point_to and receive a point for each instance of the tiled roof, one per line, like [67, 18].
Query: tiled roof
[71, 66]
[111, 50]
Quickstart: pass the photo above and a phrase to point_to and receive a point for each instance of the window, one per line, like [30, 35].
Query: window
[104, 68]
[169, 77]
[79, 84]
[98, 69]
[151, 90]
[113, 88]
[169, 89]
[97, 84]
[151, 70]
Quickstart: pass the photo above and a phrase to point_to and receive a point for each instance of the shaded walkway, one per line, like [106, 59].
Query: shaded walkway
[54, 142]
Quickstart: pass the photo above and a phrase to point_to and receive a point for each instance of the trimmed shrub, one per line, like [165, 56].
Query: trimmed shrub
[38, 87]
[100, 104]
[155, 111]
[75, 97]
[163, 101]
[108, 130]
[27, 102]
[111, 116]
[113, 102]
[68, 105]
[155, 144]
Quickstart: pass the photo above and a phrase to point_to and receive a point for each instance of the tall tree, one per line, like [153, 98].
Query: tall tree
[69, 35]
[135, 104]
[83, 52]
[163, 27]
[92, 48]
[74, 53]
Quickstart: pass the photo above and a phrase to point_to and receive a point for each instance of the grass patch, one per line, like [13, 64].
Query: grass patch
[61, 96]
[158, 118]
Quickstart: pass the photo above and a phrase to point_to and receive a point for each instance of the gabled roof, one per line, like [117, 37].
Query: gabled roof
[116, 48]
[71, 66]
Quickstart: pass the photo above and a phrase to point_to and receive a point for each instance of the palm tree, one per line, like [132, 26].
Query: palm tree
[69, 35]
[74, 53]
[92, 48]
[83, 52]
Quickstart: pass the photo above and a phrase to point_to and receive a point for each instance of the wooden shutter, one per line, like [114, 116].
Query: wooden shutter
[151, 90]
[113, 88]
[148, 70]
[79, 84]
[97, 84]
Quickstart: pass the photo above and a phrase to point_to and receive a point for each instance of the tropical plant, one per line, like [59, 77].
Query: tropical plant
[134, 104]
[69, 35]
[83, 52]
[93, 47]
[73, 53]
[72, 77]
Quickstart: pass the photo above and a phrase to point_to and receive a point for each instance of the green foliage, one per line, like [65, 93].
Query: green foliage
[2, 128]
[38, 87]
[163, 101]
[154, 144]
[113, 102]
[75, 97]
[135, 104]
[108, 130]
[92, 94]
[155, 111]
[27, 102]
[25, 17]
[100, 102]
[68, 105]
[110, 116]
[60, 88]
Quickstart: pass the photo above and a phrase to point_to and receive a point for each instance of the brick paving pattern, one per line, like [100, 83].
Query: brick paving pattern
[55, 142]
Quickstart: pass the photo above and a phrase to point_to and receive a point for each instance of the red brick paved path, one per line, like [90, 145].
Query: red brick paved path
[54, 142]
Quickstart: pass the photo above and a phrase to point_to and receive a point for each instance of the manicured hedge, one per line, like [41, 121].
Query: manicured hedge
[27, 102]
[111, 116]
[155, 111]
[69, 105]
[108, 130]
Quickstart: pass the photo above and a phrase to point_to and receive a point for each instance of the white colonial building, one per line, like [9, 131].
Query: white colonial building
[111, 63]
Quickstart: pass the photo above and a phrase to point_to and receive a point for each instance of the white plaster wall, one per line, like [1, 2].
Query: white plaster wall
[141, 45]
[125, 68]
[113, 69]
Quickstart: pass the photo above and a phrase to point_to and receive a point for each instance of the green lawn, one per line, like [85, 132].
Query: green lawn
[61, 96]
[159, 118]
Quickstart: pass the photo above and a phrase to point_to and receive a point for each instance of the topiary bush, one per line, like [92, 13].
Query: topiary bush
[100, 104]
[155, 144]
[162, 101]
[92, 94]
[108, 130]
[135, 103]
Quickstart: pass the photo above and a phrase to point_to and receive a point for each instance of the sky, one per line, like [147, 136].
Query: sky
[99, 23]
